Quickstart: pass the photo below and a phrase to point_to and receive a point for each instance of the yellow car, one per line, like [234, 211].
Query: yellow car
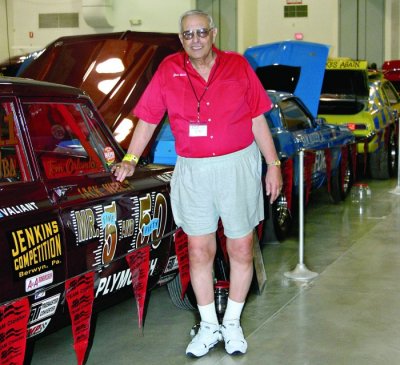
[369, 105]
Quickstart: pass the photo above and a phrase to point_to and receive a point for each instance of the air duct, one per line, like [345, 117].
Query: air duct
[98, 13]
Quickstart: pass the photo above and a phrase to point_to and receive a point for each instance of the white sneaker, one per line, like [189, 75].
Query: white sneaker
[206, 338]
[232, 333]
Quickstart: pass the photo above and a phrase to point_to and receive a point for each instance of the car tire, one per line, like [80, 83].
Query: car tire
[341, 183]
[379, 163]
[188, 302]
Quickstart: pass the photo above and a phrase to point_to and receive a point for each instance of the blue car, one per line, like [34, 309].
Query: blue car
[292, 74]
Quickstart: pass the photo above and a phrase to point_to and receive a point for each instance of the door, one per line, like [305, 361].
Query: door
[361, 30]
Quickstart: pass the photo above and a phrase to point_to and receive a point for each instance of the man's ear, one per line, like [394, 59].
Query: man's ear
[214, 34]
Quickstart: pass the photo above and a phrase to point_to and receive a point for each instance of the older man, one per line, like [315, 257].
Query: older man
[216, 107]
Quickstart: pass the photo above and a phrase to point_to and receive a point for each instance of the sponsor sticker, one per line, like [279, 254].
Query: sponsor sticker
[43, 309]
[39, 281]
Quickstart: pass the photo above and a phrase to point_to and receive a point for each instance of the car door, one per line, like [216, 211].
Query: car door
[103, 219]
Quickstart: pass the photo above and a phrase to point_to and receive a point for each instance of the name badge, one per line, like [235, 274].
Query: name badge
[197, 130]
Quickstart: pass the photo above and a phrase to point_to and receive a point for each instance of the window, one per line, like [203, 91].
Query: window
[295, 11]
[294, 117]
[64, 140]
[11, 160]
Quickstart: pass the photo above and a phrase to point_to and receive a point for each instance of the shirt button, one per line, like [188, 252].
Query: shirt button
[209, 119]
[208, 103]
[211, 137]
[213, 154]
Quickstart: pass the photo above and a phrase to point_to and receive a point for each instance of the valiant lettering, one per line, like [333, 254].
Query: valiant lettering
[18, 209]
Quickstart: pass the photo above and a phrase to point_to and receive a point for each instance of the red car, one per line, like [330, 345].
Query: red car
[73, 238]
[391, 71]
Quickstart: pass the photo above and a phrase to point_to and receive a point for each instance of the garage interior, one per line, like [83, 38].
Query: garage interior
[348, 314]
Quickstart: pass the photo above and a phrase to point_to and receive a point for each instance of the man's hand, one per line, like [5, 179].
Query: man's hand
[123, 169]
[273, 182]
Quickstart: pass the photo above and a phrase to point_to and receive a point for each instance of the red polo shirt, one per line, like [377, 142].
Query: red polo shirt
[229, 100]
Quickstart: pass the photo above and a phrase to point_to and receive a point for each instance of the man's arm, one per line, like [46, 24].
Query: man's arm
[263, 137]
[141, 137]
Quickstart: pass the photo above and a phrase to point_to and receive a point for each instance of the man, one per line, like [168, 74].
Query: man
[216, 107]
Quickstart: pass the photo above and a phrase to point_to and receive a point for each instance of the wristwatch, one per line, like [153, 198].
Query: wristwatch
[274, 163]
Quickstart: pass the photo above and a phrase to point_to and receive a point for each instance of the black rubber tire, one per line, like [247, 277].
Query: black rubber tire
[174, 289]
[341, 186]
[379, 164]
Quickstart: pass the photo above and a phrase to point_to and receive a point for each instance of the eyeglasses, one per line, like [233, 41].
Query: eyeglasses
[201, 33]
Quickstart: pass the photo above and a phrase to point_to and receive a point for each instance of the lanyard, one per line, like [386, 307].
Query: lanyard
[210, 79]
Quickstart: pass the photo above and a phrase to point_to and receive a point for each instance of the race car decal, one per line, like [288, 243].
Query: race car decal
[147, 223]
[120, 279]
[8, 165]
[95, 191]
[346, 64]
[35, 249]
[39, 281]
[18, 209]
[38, 328]
[44, 308]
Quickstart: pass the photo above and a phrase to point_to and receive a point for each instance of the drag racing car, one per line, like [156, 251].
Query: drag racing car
[368, 104]
[292, 74]
[73, 238]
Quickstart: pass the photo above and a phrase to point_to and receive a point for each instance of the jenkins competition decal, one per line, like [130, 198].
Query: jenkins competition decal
[35, 249]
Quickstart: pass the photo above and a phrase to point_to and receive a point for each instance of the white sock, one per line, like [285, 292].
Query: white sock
[233, 310]
[208, 313]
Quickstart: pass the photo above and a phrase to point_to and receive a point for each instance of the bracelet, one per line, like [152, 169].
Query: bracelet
[274, 163]
[129, 157]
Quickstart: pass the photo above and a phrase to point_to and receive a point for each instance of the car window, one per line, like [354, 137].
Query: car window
[11, 151]
[64, 140]
[294, 118]
[391, 93]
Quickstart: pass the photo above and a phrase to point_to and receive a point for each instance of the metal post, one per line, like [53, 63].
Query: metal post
[301, 271]
[396, 190]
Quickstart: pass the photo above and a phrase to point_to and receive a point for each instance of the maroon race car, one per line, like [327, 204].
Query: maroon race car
[73, 238]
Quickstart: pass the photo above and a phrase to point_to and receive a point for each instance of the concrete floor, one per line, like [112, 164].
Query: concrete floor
[349, 314]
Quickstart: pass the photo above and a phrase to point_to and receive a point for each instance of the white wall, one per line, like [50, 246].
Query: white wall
[259, 21]
[164, 19]
[320, 26]
[3, 31]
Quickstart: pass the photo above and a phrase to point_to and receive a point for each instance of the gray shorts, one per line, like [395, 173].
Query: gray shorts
[227, 187]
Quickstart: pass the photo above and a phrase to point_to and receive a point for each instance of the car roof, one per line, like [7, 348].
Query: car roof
[31, 88]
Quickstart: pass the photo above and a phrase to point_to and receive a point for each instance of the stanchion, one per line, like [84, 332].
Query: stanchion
[301, 271]
[396, 190]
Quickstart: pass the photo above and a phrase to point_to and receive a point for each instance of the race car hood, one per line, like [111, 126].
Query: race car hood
[296, 67]
[113, 68]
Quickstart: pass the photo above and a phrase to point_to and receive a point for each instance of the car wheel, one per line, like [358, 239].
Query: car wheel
[188, 302]
[341, 180]
[393, 154]
[379, 163]
[281, 217]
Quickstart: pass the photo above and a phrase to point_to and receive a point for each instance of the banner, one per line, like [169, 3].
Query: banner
[80, 297]
[139, 265]
[13, 331]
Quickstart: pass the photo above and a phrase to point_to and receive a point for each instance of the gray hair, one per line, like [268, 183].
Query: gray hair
[196, 12]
